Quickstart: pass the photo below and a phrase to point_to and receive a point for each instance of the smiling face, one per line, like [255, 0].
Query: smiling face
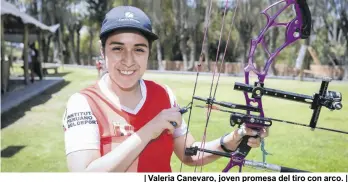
[126, 54]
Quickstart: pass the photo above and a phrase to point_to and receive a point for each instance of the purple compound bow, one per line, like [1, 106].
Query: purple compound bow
[297, 28]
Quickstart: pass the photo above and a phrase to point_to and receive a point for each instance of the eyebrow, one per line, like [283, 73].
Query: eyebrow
[120, 43]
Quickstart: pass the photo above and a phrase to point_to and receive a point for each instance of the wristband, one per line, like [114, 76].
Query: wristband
[223, 145]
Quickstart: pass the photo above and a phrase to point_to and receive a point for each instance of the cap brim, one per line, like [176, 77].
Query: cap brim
[112, 27]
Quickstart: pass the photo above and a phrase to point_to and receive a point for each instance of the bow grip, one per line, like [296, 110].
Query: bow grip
[243, 147]
[306, 18]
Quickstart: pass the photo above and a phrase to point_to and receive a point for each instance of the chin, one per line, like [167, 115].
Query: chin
[127, 86]
[125, 83]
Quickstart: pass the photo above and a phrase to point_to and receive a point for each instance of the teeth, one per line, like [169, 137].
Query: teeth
[127, 72]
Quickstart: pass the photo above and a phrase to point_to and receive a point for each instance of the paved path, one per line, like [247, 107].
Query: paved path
[13, 99]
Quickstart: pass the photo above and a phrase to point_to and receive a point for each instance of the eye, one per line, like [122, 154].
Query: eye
[116, 48]
[139, 50]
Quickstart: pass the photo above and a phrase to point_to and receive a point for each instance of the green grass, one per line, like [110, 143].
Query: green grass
[39, 128]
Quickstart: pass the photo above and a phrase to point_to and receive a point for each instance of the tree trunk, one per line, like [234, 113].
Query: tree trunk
[135, 3]
[176, 11]
[25, 52]
[71, 42]
[302, 59]
[158, 50]
[274, 36]
[179, 21]
[206, 42]
[183, 34]
[78, 28]
[90, 48]
[183, 51]
[345, 63]
[193, 50]
[46, 47]
[56, 40]
[69, 51]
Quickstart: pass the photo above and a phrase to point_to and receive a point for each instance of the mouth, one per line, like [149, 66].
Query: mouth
[127, 72]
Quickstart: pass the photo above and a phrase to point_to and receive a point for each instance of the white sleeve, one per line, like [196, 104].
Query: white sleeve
[81, 131]
[183, 128]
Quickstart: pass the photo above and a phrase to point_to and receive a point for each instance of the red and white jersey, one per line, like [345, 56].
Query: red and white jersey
[95, 119]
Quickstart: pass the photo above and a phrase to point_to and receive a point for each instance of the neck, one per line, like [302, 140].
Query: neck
[122, 92]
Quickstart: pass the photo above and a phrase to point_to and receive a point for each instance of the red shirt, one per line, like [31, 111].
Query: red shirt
[115, 125]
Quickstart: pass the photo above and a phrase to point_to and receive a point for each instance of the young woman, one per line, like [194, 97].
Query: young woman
[122, 123]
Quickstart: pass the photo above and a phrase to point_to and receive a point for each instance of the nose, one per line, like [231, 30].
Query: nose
[128, 59]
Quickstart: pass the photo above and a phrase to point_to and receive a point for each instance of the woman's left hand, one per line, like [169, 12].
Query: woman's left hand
[236, 136]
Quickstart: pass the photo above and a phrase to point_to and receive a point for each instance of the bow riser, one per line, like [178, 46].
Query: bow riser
[294, 31]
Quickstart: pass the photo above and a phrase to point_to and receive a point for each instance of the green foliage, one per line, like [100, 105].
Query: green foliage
[328, 38]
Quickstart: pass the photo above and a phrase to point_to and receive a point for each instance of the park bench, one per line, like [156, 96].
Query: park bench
[50, 67]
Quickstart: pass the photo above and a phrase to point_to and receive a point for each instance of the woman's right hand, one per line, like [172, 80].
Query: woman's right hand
[162, 121]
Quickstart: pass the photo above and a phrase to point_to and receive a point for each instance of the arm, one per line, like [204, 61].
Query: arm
[82, 142]
[117, 160]
[232, 139]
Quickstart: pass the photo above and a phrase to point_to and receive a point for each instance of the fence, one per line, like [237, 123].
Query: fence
[335, 72]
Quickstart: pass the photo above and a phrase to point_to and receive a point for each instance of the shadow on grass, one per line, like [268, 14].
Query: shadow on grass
[11, 116]
[11, 151]
[62, 74]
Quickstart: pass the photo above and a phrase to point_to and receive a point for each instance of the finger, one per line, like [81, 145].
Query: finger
[254, 145]
[171, 129]
[264, 132]
[175, 124]
[251, 132]
[255, 141]
[174, 118]
[246, 131]
[174, 109]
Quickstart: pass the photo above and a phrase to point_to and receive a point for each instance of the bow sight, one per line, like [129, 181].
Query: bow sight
[330, 99]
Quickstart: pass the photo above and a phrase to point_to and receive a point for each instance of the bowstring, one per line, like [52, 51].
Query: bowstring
[203, 141]
[223, 57]
[195, 86]
[228, 40]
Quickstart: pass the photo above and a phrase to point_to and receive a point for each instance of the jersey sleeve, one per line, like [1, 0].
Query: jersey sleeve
[173, 102]
[81, 131]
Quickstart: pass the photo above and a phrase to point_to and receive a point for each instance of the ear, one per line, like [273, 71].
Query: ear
[102, 53]
[101, 50]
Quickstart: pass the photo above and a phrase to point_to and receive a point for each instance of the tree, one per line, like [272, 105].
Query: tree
[97, 11]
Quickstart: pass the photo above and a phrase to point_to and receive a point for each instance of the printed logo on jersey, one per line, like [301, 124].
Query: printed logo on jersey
[79, 119]
[121, 129]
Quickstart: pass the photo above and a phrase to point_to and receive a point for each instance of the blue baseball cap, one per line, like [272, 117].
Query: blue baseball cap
[123, 17]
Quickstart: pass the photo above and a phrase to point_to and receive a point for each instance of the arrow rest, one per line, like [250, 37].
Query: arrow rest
[251, 120]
